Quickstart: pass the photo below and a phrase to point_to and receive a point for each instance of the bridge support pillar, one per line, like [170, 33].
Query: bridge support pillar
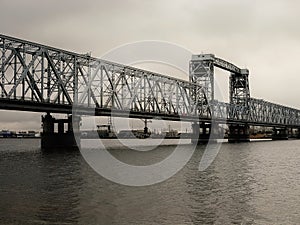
[291, 133]
[238, 133]
[298, 133]
[280, 134]
[60, 139]
[205, 132]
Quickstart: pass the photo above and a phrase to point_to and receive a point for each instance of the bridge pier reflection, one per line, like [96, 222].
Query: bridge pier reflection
[239, 133]
[59, 139]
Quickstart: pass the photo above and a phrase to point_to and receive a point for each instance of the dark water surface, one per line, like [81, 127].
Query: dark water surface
[250, 183]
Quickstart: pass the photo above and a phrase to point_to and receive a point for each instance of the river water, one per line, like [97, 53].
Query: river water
[248, 183]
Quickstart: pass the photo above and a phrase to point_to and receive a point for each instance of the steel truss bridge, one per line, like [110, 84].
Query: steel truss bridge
[39, 78]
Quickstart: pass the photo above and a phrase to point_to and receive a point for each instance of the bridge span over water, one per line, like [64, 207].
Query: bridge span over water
[39, 78]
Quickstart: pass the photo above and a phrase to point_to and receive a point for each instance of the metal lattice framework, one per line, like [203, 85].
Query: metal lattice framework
[259, 112]
[202, 74]
[35, 77]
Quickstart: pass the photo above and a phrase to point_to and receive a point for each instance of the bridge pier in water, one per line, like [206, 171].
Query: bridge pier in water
[298, 133]
[280, 133]
[60, 139]
[239, 133]
[205, 132]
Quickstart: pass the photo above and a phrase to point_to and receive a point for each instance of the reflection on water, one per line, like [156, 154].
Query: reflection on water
[250, 183]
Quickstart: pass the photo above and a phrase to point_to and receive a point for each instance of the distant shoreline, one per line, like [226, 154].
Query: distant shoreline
[20, 137]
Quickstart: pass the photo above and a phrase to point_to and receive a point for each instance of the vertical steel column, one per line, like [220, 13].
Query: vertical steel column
[42, 76]
[240, 93]
[48, 82]
[3, 51]
[15, 75]
[101, 86]
[202, 73]
[75, 81]
[239, 99]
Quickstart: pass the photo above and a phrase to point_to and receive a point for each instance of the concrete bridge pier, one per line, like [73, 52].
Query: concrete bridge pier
[291, 133]
[280, 133]
[239, 133]
[298, 133]
[60, 139]
[205, 132]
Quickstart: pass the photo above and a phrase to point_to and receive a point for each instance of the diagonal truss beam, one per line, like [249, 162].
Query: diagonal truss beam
[57, 75]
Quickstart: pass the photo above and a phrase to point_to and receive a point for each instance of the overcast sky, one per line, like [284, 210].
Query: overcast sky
[263, 36]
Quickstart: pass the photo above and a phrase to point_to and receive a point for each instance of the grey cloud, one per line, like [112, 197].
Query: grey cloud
[261, 35]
